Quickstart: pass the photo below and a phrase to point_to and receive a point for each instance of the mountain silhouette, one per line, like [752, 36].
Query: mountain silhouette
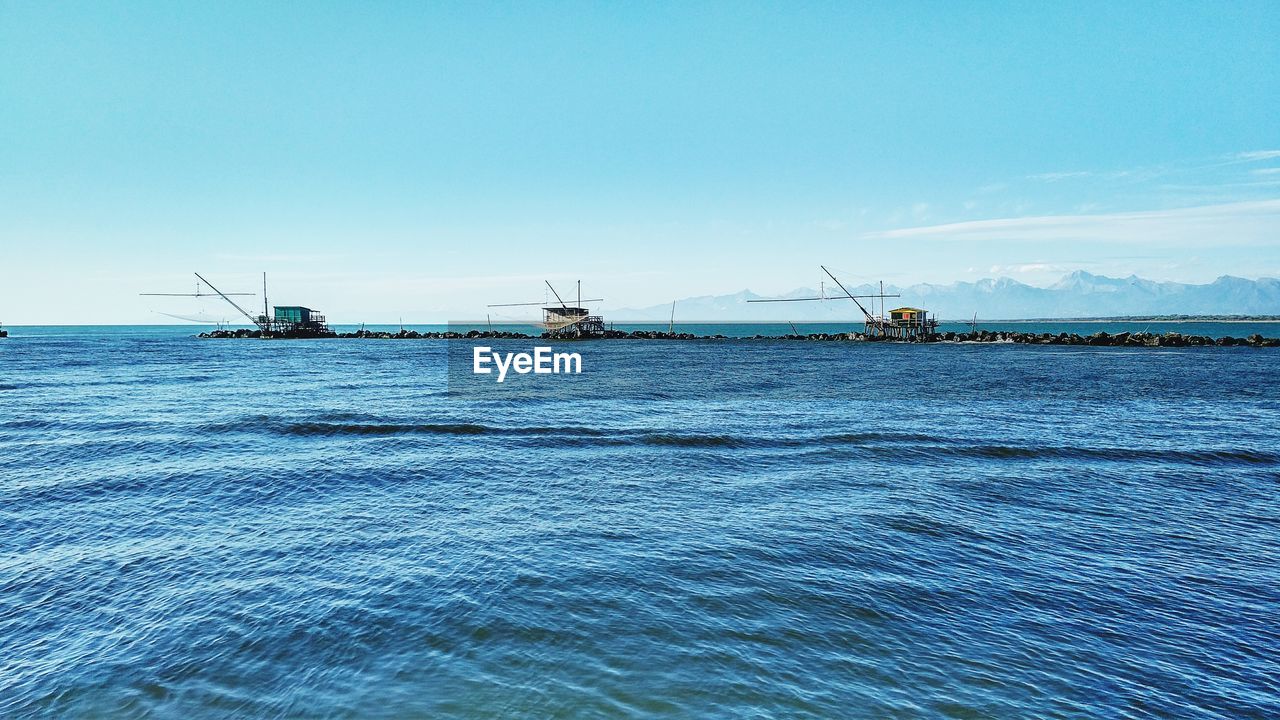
[1077, 295]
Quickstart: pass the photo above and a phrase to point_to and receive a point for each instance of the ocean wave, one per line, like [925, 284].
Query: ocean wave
[916, 523]
[674, 440]
[361, 425]
[320, 428]
[721, 440]
[52, 423]
[1192, 457]
[904, 446]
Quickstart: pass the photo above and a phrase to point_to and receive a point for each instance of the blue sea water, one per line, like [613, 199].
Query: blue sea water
[238, 528]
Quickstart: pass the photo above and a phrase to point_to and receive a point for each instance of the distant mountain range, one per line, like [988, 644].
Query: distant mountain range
[1077, 295]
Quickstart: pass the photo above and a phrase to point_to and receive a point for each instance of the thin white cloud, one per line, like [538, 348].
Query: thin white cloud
[1025, 268]
[1142, 174]
[1259, 155]
[1056, 176]
[274, 258]
[1243, 223]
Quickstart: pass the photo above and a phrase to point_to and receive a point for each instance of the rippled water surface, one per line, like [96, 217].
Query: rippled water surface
[689, 529]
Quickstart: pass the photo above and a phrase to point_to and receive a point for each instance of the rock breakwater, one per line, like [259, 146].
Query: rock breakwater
[1100, 339]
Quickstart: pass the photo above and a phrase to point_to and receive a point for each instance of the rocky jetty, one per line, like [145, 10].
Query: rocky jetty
[291, 335]
[373, 335]
[1100, 339]
[221, 334]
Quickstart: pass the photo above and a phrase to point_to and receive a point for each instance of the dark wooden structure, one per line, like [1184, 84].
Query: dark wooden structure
[565, 321]
[295, 321]
[285, 321]
[905, 323]
[571, 323]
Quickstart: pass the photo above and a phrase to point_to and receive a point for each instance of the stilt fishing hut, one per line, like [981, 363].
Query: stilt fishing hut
[288, 321]
[298, 321]
[285, 321]
[907, 323]
[563, 321]
[900, 324]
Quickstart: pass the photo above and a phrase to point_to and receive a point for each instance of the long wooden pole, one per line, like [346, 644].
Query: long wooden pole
[846, 292]
[553, 292]
[233, 302]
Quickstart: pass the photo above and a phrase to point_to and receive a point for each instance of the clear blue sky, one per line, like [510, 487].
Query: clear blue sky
[418, 159]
